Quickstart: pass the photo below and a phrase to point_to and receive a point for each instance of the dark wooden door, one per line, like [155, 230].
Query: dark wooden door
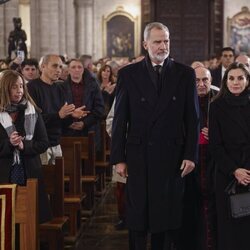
[195, 26]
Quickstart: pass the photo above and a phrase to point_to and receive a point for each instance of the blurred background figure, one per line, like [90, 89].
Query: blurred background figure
[29, 69]
[107, 85]
[243, 59]
[227, 57]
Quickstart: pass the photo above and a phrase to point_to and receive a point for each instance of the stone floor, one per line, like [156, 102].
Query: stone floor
[99, 233]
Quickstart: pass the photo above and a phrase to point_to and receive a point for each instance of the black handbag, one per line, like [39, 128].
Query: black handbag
[239, 202]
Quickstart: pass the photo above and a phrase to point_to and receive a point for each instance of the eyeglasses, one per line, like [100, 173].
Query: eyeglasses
[204, 80]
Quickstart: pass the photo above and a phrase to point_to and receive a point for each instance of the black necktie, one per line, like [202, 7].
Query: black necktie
[157, 69]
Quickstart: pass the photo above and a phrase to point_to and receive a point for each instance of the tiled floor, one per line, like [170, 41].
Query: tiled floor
[100, 233]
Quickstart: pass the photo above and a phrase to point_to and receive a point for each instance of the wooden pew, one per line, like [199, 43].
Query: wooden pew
[74, 196]
[26, 215]
[89, 177]
[53, 231]
[102, 164]
[109, 170]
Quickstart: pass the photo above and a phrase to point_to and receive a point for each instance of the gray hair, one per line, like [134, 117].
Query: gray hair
[154, 25]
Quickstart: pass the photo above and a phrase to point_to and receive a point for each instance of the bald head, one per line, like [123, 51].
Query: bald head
[196, 64]
[243, 59]
[203, 81]
[51, 67]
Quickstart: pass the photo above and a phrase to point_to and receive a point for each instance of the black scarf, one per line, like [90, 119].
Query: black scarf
[240, 100]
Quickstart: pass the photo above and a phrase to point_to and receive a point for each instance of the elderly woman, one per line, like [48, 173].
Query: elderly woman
[229, 138]
[22, 137]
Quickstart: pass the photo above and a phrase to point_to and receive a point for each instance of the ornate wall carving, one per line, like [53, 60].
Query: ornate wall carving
[239, 31]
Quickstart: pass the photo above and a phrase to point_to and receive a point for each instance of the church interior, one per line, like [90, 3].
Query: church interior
[109, 33]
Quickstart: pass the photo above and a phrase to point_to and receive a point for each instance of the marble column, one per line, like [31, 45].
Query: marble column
[35, 29]
[48, 29]
[7, 12]
[70, 29]
[62, 27]
[84, 26]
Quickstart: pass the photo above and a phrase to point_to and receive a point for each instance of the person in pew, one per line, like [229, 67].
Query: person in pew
[227, 57]
[200, 211]
[50, 98]
[107, 85]
[23, 137]
[229, 141]
[120, 181]
[243, 59]
[155, 140]
[82, 89]
[29, 69]
[207, 229]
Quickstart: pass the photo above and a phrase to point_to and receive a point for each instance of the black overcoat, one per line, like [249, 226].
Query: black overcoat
[31, 156]
[152, 134]
[229, 141]
[92, 99]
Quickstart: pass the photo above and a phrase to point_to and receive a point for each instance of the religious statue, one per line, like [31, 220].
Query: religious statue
[17, 38]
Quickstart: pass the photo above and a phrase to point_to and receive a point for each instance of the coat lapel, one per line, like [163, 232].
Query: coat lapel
[145, 84]
[170, 81]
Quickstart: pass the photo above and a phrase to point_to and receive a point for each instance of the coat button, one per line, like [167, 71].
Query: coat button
[143, 99]
[174, 98]
[150, 144]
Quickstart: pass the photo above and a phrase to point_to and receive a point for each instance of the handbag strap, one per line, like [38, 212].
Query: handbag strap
[231, 188]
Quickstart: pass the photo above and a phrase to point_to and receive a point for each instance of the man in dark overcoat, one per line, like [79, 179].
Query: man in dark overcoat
[154, 140]
[82, 89]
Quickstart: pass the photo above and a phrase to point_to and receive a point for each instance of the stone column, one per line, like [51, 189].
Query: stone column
[35, 29]
[7, 12]
[70, 17]
[48, 17]
[3, 41]
[84, 27]
[62, 27]
[49, 33]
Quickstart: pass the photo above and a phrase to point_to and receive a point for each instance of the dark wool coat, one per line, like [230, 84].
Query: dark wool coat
[229, 126]
[31, 156]
[92, 99]
[152, 135]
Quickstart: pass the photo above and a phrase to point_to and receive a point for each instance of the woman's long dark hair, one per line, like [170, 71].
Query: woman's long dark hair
[224, 89]
[111, 76]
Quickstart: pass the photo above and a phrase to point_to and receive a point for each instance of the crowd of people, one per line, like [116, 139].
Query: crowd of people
[180, 135]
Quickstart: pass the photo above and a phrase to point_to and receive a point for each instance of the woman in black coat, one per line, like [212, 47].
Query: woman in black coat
[107, 84]
[229, 138]
[23, 137]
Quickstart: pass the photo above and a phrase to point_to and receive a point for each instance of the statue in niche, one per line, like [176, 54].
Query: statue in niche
[17, 38]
